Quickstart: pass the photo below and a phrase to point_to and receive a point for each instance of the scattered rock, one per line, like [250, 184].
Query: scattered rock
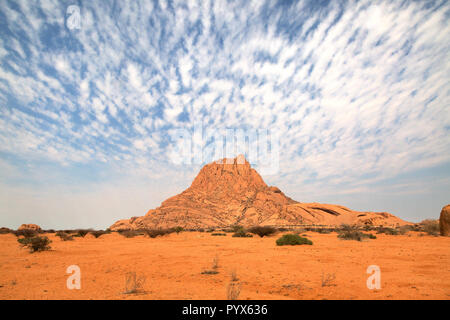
[33, 227]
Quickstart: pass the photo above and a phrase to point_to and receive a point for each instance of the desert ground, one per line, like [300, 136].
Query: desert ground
[412, 267]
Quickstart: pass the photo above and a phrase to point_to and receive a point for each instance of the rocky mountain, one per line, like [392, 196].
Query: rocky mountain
[230, 192]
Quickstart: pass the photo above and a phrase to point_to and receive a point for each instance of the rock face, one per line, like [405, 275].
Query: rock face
[444, 221]
[30, 226]
[231, 192]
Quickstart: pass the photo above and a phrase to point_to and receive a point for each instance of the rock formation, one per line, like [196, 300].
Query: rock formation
[231, 192]
[30, 226]
[444, 221]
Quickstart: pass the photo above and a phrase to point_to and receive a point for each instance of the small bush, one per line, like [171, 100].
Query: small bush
[35, 244]
[431, 227]
[98, 233]
[27, 233]
[262, 231]
[64, 236]
[242, 234]
[153, 233]
[218, 234]
[322, 230]
[4, 230]
[292, 240]
[178, 229]
[388, 231]
[347, 227]
[237, 228]
[129, 233]
[355, 235]
[82, 233]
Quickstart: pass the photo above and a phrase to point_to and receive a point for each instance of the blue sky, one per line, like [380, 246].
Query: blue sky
[357, 91]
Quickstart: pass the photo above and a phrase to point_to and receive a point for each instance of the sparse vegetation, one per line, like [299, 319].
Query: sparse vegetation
[214, 267]
[98, 233]
[153, 233]
[133, 283]
[388, 231]
[237, 228]
[262, 231]
[179, 229]
[242, 234]
[234, 276]
[27, 233]
[64, 236]
[430, 226]
[292, 240]
[4, 230]
[355, 235]
[36, 243]
[210, 272]
[129, 233]
[82, 233]
[328, 279]
[233, 290]
[218, 234]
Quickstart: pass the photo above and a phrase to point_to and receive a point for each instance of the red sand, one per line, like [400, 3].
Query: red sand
[412, 267]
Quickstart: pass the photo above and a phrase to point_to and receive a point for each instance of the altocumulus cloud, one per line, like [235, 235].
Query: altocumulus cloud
[358, 91]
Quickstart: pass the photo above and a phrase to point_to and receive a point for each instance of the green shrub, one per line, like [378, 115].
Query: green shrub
[36, 243]
[237, 228]
[262, 231]
[355, 235]
[153, 233]
[218, 234]
[242, 234]
[178, 229]
[322, 230]
[292, 240]
[388, 231]
[27, 233]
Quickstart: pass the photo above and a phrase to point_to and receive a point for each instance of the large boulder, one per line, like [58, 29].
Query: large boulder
[30, 226]
[444, 221]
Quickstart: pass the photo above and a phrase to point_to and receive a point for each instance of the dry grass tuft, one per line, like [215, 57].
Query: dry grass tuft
[328, 279]
[133, 283]
[233, 290]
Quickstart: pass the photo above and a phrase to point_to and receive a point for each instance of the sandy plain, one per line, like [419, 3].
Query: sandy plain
[412, 267]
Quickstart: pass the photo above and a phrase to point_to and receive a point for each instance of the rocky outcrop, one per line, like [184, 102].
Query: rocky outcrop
[230, 192]
[444, 221]
[33, 227]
